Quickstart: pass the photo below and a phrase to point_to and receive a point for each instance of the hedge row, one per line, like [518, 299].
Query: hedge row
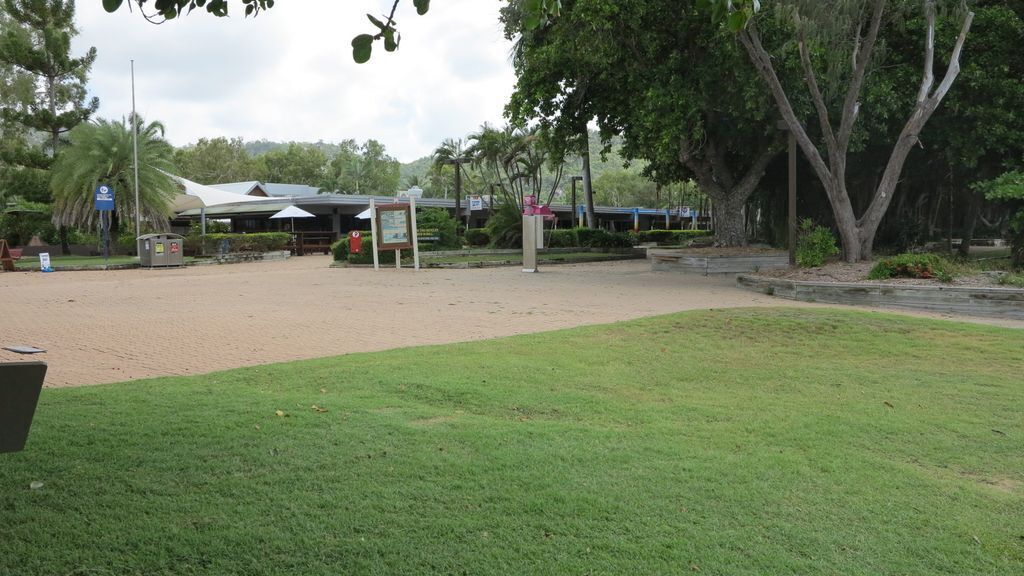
[670, 237]
[341, 253]
[561, 238]
[234, 243]
[587, 238]
[477, 237]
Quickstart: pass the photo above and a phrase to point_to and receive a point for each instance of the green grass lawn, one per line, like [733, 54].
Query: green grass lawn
[755, 442]
[32, 262]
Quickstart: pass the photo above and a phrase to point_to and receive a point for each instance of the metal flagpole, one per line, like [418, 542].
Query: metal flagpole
[135, 153]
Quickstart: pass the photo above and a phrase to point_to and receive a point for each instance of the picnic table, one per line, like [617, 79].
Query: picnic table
[306, 242]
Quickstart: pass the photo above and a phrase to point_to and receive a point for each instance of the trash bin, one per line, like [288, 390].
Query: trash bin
[164, 249]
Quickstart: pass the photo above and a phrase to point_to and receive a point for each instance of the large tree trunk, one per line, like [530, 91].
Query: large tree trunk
[728, 195]
[65, 245]
[730, 227]
[970, 222]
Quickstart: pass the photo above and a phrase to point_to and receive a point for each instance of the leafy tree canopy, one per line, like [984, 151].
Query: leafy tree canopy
[296, 164]
[218, 160]
[362, 169]
[36, 41]
[662, 75]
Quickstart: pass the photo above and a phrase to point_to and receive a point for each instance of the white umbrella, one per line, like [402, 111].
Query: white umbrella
[293, 212]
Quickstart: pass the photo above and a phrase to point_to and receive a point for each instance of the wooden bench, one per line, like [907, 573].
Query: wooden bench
[313, 242]
[20, 384]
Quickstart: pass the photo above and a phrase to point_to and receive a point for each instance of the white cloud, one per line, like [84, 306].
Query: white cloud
[288, 74]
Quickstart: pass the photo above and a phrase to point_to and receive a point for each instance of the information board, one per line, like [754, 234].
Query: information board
[393, 227]
[104, 198]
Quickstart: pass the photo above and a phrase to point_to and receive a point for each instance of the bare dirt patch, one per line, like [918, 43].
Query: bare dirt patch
[1007, 485]
[858, 272]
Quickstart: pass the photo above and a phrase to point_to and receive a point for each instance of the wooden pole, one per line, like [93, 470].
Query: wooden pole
[415, 235]
[373, 234]
[792, 198]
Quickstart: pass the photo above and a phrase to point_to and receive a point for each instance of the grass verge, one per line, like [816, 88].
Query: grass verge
[775, 441]
[32, 262]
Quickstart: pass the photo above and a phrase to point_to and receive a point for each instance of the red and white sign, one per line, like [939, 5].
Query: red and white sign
[355, 242]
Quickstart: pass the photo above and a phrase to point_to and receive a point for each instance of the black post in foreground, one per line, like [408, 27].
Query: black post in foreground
[572, 217]
[792, 199]
[20, 383]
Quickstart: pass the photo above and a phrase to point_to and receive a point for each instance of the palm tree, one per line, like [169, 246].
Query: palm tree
[451, 152]
[515, 161]
[101, 153]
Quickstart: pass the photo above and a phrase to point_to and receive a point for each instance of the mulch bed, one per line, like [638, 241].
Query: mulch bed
[842, 272]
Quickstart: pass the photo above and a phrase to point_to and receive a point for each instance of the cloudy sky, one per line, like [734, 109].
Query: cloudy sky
[288, 74]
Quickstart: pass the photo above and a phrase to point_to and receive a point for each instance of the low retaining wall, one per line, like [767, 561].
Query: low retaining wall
[971, 301]
[240, 257]
[612, 257]
[694, 263]
[519, 251]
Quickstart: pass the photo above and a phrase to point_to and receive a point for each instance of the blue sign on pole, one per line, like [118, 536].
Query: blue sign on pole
[104, 198]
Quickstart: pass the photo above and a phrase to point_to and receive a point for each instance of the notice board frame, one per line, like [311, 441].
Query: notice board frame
[408, 243]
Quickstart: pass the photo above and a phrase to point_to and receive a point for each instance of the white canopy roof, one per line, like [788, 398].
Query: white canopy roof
[199, 196]
[293, 212]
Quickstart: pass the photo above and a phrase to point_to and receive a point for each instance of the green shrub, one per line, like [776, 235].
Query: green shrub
[925, 266]
[340, 249]
[563, 238]
[477, 237]
[438, 223]
[1014, 280]
[814, 244]
[589, 238]
[1009, 188]
[124, 243]
[18, 229]
[505, 227]
[212, 227]
[365, 256]
[606, 239]
[586, 236]
[255, 242]
[670, 237]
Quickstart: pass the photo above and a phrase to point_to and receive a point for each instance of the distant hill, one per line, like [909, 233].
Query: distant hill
[258, 147]
[419, 168]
